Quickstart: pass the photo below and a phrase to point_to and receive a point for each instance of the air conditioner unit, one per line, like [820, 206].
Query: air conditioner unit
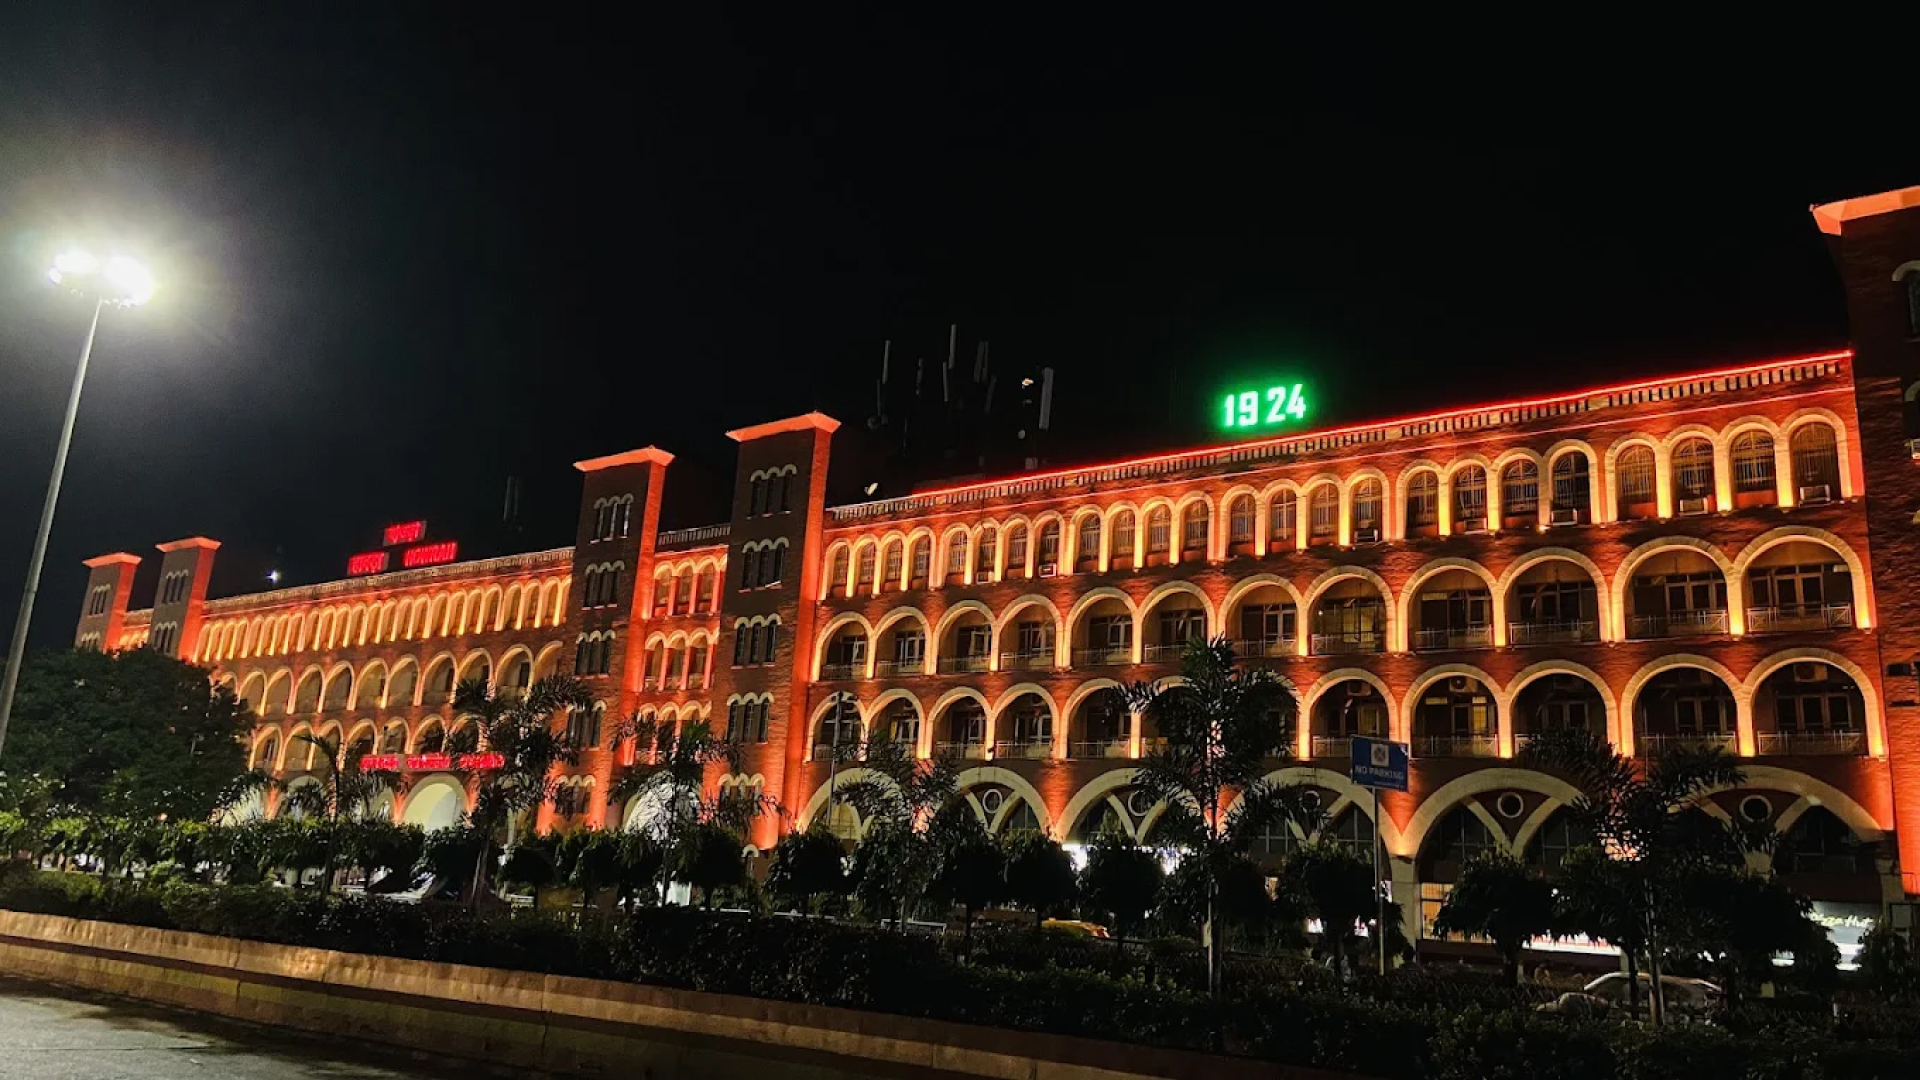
[1048, 569]
[1356, 688]
[1474, 526]
[1459, 684]
[1807, 673]
[1815, 495]
[1566, 517]
[1366, 536]
[1691, 507]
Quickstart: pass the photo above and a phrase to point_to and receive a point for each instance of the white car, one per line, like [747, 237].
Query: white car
[1694, 996]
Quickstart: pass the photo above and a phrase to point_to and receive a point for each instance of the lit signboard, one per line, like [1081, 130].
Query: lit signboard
[444, 551]
[1264, 408]
[430, 762]
[407, 532]
[367, 562]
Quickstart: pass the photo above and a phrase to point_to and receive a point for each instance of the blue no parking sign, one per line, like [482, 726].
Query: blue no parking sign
[1379, 764]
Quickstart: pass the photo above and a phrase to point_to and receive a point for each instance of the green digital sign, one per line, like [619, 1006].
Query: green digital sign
[1282, 405]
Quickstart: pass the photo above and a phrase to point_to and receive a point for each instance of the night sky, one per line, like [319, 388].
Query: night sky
[408, 253]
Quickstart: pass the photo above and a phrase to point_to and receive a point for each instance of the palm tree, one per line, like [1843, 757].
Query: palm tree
[672, 776]
[344, 791]
[1220, 728]
[1646, 844]
[1501, 898]
[901, 800]
[519, 726]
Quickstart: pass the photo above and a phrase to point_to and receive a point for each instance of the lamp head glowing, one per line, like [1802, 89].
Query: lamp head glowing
[122, 280]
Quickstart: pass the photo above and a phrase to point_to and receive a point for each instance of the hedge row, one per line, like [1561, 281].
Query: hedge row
[863, 968]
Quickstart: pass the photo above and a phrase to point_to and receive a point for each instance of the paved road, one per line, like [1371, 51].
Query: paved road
[48, 1033]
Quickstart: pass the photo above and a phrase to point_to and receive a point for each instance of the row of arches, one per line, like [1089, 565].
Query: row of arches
[406, 683]
[1789, 578]
[1799, 701]
[1753, 461]
[520, 605]
[688, 586]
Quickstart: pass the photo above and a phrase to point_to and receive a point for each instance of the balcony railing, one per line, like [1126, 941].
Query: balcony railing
[1787, 617]
[910, 666]
[1332, 747]
[1269, 647]
[1027, 660]
[1023, 748]
[1170, 650]
[849, 751]
[1099, 748]
[650, 682]
[960, 665]
[1825, 743]
[1456, 746]
[1433, 639]
[1553, 632]
[1351, 641]
[1103, 656]
[830, 672]
[1153, 745]
[970, 751]
[1678, 624]
[1655, 745]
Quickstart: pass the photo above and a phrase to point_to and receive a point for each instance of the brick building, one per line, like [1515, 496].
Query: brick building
[1721, 557]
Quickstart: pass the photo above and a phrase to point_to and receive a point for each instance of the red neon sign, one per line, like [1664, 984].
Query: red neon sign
[431, 762]
[369, 562]
[406, 532]
[430, 554]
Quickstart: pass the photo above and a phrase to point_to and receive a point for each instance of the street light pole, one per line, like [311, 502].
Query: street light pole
[17, 650]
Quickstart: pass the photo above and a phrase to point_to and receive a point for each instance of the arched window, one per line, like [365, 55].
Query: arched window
[1470, 499]
[891, 566]
[1123, 529]
[1753, 466]
[1423, 504]
[1283, 521]
[1159, 535]
[1572, 488]
[1323, 515]
[957, 558]
[1240, 520]
[1635, 470]
[682, 589]
[1366, 511]
[1086, 544]
[1519, 493]
[1816, 459]
[1912, 277]
[837, 571]
[1692, 476]
[1046, 560]
[986, 550]
[920, 559]
[868, 567]
[1193, 531]
[1017, 551]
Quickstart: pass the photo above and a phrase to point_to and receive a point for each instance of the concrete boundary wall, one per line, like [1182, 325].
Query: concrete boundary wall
[561, 1024]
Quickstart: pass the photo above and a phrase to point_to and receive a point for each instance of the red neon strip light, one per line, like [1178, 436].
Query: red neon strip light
[430, 554]
[406, 532]
[369, 562]
[1418, 418]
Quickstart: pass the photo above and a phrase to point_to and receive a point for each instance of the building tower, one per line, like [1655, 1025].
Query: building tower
[103, 610]
[185, 566]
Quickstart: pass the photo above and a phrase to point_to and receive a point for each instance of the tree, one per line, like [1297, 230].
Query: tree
[1636, 817]
[898, 856]
[1500, 898]
[1742, 920]
[1220, 728]
[638, 872]
[385, 853]
[1334, 884]
[592, 858]
[805, 867]
[519, 727]
[132, 733]
[670, 776]
[345, 792]
[1887, 960]
[711, 858]
[1040, 875]
[972, 869]
[1122, 881]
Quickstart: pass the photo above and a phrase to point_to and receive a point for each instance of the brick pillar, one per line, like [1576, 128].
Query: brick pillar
[1872, 239]
[185, 566]
[779, 503]
[103, 607]
[619, 520]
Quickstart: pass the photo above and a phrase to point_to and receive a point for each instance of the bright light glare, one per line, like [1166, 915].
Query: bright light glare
[122, 281]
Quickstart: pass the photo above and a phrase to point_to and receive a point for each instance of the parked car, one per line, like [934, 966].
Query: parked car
[1692, 997]
[1575, 1003]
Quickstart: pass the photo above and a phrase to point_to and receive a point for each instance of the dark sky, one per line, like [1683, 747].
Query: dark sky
[408, 251]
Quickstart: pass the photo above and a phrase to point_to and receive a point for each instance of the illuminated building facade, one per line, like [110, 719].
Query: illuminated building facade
[1726, 557]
